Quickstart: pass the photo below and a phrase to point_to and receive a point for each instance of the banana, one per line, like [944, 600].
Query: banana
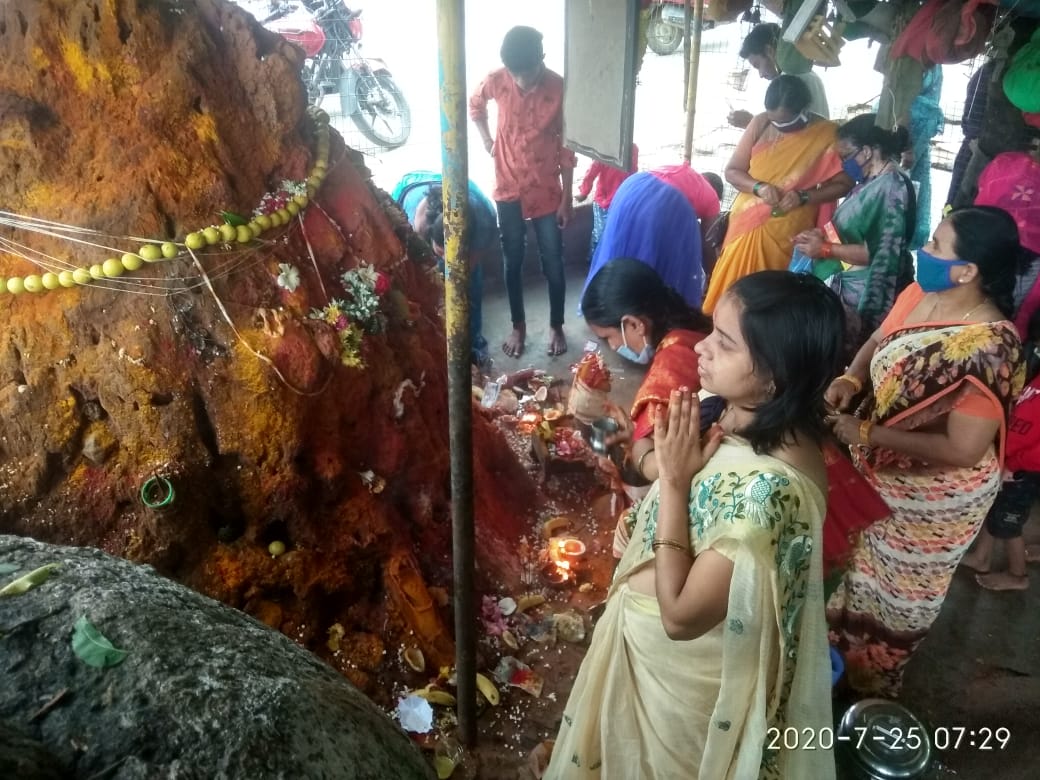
[554, 524]
[488, 689]
[28, 581]
[434, 696]
[525, 603]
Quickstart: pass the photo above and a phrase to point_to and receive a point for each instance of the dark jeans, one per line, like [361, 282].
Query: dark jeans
[513, 228]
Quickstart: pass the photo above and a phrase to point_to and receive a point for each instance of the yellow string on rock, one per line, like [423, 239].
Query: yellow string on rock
[60, 274]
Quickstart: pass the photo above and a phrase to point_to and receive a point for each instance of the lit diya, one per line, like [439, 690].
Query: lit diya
[571, 550]
[565, 553]
[556, 573]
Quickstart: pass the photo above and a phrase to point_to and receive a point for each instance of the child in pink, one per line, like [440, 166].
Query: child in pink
[607, 179]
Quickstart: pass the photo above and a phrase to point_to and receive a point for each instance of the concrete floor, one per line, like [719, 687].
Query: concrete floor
[979, 667]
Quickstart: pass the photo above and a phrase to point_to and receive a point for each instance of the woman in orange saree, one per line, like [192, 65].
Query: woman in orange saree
[627, 305]
[788, 176]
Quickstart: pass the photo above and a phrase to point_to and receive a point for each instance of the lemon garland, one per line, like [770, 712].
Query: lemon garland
[167, 250]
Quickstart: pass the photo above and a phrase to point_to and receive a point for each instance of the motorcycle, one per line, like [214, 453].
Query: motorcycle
[664, 33]
[329, 33]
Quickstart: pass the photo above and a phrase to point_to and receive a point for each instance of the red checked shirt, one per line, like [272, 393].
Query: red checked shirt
[529, 150]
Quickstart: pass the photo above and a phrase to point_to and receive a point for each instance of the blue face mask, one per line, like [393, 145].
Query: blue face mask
[852, 167]
[625, 351]
[933, 273]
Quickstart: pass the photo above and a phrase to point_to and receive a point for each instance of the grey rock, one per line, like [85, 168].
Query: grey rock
[205, 692]
[24, 757]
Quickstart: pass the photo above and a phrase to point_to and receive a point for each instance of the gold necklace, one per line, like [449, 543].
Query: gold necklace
[935, 308]
[973, 310]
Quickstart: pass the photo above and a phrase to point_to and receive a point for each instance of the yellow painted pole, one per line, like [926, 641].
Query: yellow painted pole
[451, 27]
[691, 93]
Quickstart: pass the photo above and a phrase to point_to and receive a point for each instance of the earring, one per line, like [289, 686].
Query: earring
[771, 390]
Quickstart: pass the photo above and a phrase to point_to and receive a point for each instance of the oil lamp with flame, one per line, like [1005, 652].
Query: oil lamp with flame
[565, 554]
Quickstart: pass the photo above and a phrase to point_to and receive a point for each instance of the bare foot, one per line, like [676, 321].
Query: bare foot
[514, 345]
[1003, 580]
[1033, 553]
[976, 562]
[557, 342]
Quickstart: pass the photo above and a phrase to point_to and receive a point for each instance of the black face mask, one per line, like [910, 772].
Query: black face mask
[798, 123]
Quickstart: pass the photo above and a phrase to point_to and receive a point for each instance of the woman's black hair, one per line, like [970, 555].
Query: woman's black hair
[1031, 346]
[434, 212]
[435, 218]
[435, 233]
[1033, 327]
[625, 286]
[522, 49]
[716, 183]
[787, 92]
[862, 131]
[794, 327]
[988, 237]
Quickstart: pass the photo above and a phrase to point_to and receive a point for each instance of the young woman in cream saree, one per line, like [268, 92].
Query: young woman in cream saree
[713, 641]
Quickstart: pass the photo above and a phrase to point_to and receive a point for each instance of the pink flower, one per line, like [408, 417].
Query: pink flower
[1022, 192]
[491, 615]
[342, 323]
[382, 284]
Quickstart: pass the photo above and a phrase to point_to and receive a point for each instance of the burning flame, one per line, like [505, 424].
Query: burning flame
[564, 555]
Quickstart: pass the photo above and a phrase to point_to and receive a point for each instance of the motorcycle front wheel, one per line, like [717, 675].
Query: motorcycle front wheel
[382, 113]
[661, 37]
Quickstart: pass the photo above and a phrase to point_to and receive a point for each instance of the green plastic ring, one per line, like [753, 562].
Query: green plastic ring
[154, 485]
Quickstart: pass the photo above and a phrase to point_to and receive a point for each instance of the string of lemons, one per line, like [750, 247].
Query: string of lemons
[226, 233]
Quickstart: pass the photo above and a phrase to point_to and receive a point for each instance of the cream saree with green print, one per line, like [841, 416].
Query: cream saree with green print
[717, 707]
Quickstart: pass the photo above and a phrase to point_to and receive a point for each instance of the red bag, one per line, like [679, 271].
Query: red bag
[946, 31]
[852, 505]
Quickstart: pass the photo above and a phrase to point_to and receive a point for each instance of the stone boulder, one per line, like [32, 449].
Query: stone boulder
[203, 692]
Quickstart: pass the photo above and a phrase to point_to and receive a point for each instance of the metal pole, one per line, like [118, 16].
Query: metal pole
[686, 46]
[451, 38]
[691, 93]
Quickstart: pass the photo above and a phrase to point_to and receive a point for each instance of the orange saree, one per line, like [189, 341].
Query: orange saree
[674, 366]
[756, 240]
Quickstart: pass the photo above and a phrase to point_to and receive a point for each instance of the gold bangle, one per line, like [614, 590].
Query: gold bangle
[855, 381]
[657, 544]
[639, 463]
[864, 431]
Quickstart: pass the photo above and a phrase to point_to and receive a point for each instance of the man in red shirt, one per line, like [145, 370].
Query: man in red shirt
[534, 173]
